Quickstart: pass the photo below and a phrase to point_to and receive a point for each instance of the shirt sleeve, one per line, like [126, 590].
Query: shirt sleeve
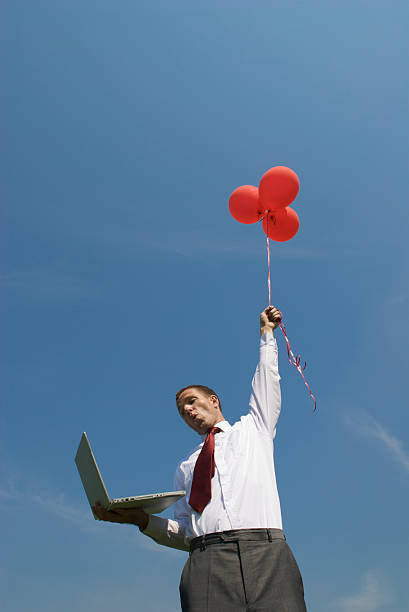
[265, 400]
[172, 532]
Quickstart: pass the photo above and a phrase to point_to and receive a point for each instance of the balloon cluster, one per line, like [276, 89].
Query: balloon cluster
[278, 188]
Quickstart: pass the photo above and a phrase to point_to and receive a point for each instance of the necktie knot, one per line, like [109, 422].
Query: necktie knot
[213, 430]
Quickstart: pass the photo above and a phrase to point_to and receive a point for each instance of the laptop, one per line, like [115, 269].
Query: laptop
[96, 491]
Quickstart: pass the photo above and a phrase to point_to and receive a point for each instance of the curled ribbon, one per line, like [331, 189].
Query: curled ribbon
[296, 361]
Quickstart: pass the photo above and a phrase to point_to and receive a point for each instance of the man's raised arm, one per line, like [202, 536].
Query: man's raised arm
[265, 400]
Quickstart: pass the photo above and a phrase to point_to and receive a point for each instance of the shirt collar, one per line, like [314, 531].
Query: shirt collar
[223, 425]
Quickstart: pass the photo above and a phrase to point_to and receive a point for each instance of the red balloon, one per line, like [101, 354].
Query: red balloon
[244, 204]
[278, 187]
[281, 225]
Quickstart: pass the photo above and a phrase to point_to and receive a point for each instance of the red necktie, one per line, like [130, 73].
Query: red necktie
[201, 491]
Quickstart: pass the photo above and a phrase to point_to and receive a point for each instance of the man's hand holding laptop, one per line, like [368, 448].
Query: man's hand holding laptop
[131, 516]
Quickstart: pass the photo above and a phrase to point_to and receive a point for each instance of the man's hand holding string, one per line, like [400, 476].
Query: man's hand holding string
[270, 318]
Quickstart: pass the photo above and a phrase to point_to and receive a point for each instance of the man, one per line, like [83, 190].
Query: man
[230, 518]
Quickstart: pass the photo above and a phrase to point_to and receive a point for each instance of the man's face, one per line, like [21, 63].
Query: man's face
[198, 410]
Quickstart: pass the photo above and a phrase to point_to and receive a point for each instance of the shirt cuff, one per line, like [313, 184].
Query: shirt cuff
[267, 340]
[156, 527]
[268, 351]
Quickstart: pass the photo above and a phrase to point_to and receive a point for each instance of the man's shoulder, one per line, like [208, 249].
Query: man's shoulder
[190, 456]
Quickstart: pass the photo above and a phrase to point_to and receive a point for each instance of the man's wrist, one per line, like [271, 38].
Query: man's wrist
[143, 522]
[266, 329]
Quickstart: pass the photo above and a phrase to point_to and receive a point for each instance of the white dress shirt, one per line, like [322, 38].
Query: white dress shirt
[244, 489]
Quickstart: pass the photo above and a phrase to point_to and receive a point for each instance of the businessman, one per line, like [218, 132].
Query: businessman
[230, 519]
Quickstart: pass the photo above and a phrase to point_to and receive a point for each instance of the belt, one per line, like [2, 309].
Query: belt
[236, 535]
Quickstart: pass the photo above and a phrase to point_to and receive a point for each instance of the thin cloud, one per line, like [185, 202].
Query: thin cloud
[49, 284]
[196, 247]
[370, 427]
[127, 238]
[58, 505]
[374, 595]
[109, 596]
[63, 509]
[398, 300]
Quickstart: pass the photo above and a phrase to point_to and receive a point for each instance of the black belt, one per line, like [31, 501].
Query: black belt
[236, 535]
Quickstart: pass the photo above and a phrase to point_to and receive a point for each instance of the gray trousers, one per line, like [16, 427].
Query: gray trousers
[250, 570]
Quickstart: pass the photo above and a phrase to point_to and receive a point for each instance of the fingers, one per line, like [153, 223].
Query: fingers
[131, 516]
[270, 318]
[99, 511]
[273, 314]
[106, 515]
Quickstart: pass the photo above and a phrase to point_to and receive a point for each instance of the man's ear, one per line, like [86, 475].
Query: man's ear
[214, 399]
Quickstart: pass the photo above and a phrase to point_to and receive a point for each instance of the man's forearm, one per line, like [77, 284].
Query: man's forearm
[167, 532]
[265, 400]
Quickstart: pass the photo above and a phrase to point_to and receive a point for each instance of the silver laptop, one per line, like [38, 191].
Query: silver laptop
[96, 491]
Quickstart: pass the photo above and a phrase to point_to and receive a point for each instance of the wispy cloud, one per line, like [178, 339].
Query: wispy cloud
[47, 283]
[370, 427]
[125, 238]
[55, 504]
[231, 247]
[196, 244]
[59, 506]
[373, 595]
[109, 597]
[398, 300]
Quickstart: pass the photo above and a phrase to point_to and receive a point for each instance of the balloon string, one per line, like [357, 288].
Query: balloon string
[268, 265]
[295, 361]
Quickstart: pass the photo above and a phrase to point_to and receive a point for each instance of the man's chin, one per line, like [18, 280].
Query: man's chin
[200, 429]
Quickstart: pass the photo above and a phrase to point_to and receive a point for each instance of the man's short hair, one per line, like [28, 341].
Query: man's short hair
[206, 390]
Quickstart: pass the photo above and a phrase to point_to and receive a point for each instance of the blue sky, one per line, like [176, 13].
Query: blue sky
[126, 127]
